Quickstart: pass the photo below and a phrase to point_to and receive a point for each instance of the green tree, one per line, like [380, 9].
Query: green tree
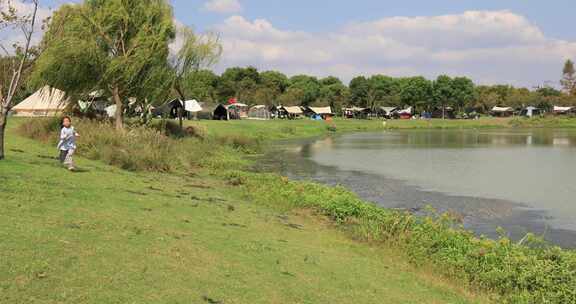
[463, 90]
[10, 85]
[201, 85]
[569, 77]
[291, 97]
[443, 92]
[273, 84]
[333, 93]
[197, 52]
[309, 86]
[238, 82]
[383, 90]
[359, 89]
[415, 91]
[120, 46]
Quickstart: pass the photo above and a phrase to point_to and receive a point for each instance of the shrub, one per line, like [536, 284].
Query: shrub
[42, 129]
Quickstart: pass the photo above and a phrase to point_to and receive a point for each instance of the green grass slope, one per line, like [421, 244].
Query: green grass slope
[104, 235]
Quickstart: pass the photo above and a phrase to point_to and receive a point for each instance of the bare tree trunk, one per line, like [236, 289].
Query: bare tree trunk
[6, 99]
[3, 121]
[119, 109]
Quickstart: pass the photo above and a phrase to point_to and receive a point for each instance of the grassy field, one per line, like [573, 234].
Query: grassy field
[287, 129]
[105, 235]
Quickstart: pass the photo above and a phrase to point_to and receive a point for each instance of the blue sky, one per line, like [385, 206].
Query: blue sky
[518, 42]
[554, 17]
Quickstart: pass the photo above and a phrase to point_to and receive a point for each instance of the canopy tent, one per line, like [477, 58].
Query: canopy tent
[319, 113]
[404, 114]
[229, 112]
[111, 111]
[530, 112]
[502, 111]
[355, 112]
[563, 110]
[259, 112]
[442, 112]
[45, 102]
[321, 110]
[387, 112]
[169, 109]
[192, 106]
[289, 112]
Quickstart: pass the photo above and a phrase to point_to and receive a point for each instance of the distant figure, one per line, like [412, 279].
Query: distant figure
[67, 143]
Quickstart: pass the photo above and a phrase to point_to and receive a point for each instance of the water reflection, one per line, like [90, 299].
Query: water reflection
[519, 180]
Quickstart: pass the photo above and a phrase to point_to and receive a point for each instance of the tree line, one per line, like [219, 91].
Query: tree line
[460, 93]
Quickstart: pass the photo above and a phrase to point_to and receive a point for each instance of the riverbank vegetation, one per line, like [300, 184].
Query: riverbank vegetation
[525, 272]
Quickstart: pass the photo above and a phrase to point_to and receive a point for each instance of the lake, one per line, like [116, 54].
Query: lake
[520, 180]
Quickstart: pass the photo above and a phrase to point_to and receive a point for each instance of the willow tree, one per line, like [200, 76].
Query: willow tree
[16, 62]
[118, 46]
[194, 53]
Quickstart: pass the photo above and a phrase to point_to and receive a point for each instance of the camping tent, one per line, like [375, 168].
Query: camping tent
[404, 114]
[169, 109]
[563, 110]
[260, 112]
[289, 112]
[45, 102]
[387, 112]
[502, 111]
[530, 112]
[192, 106]
[229, 112]
[319, 112]
[355, 112]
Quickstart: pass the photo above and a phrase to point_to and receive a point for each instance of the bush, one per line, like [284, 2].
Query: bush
[42, 129]
[155, 148]
[172, 128]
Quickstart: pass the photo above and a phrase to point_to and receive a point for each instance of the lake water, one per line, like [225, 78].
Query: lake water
[521, 180]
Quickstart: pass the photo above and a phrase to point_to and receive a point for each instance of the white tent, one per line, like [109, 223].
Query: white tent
[45, 102]
[111, 111]
[192, 106]
[321, 110]
[562, 110]
[293, 110]
[502, 109]
[260, 112]
[406, 111]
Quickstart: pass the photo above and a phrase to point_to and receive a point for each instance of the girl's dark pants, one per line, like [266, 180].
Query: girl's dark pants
[62, 156]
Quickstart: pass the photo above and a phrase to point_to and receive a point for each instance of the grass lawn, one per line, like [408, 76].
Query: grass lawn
[287, 129]
[104, 235]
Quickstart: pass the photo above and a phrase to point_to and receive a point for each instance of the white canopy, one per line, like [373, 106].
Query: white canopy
[239, 105]
[406, 111]
[562, 109]
[45, 102]
[192, 106]
[389, 110]
[111, 111]
[321, 110]
[502, 109]
[293, 110]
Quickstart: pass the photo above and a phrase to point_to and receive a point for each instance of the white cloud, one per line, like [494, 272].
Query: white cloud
[489, 46]
[223, 6]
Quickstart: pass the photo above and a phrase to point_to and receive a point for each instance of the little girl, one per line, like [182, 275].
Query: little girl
[67, 143]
